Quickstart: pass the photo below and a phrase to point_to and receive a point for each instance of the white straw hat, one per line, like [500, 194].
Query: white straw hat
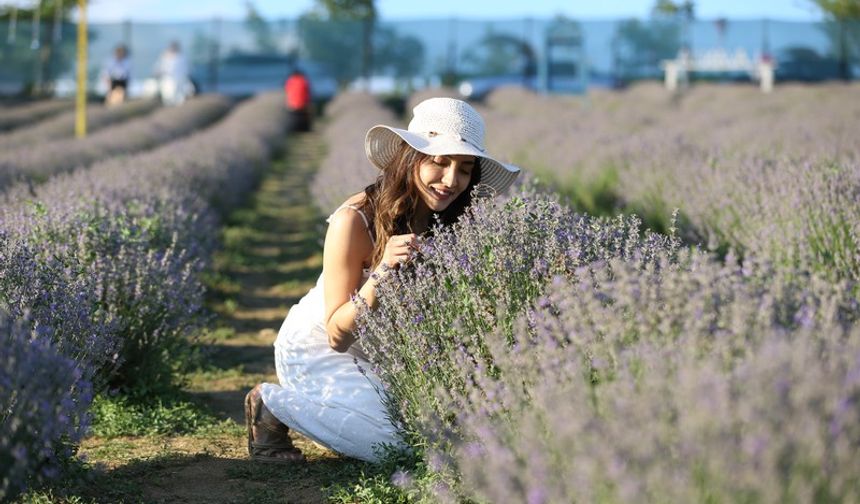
[441, 127]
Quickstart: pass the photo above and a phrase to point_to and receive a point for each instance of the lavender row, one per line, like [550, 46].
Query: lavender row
[345, 169]
[43, 407]
[63, 125]
[537, 355]
[104, 263]
[770, 175]
[39, 164]
[477, 280]
[123, 244]
[14, 117]
[670, 388]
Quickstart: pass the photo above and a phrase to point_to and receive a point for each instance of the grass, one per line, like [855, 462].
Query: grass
[173, 415]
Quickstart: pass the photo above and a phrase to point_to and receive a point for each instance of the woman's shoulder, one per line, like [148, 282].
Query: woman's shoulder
[347, 231]
[355, 204]
[356, 200]
[351, 210]
[350, 219]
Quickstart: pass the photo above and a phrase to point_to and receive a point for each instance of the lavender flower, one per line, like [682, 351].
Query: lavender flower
[36, 165]
[23, 115]
[63, 125]
[109, 258]
[43, 404]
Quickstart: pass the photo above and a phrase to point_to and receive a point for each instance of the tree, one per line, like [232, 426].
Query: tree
[681, 13]
[36, 58]
[402, 56]
[842, 26]
[356, 10]
[336, 43]
[669, 8]
[255, 23]
[840, 9]
[501, 54]
[332, 31]
[639, 47]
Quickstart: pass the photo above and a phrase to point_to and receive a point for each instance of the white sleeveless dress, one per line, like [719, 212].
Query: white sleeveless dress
[322, 393]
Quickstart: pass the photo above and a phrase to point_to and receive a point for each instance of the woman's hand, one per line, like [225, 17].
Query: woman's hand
[399, 250]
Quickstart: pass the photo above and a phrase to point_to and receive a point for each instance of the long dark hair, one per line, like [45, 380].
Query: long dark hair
[391, 201]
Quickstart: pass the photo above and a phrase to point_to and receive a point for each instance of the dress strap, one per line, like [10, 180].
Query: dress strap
[363, 217]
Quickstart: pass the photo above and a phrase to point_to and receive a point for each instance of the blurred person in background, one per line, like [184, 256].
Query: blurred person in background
[116, 74]
[327, 390]
[297, 98]
[171, 70]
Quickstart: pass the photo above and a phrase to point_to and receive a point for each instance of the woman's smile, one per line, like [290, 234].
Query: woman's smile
[441, 179]
[441, 194]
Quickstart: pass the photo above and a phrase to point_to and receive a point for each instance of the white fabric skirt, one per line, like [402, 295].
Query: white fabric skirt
[323, 395]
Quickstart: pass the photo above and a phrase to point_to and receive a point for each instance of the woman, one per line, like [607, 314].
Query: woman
[117, 72]
[171, 70]
[429, 169]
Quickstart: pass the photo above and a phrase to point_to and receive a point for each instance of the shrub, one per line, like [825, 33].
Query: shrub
[43, 402]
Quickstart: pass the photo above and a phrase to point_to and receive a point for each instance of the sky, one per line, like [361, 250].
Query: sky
[186, 10]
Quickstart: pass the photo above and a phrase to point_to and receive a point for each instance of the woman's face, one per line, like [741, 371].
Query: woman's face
[441, 179]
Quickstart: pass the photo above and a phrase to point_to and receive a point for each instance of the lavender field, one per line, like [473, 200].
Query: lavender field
[664, 308]
[63, 125]
[772, 175]
[25, 163]
[536, 354]
[29, 113]
[101, 270]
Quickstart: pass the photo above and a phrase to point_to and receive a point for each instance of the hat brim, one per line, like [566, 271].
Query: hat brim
[382, 142]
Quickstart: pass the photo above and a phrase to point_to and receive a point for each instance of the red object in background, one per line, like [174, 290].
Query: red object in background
[298, 92]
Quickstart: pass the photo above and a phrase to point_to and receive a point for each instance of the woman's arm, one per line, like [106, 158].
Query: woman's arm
[347, 246]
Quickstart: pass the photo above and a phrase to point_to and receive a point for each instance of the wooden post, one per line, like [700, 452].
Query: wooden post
[81, 98]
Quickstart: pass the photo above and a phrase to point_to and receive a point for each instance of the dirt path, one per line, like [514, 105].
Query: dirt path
[272, 257]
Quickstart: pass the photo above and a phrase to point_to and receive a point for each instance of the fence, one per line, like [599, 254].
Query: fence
[422, 51]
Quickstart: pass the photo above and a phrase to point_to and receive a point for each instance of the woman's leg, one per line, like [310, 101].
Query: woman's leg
[323, 395]
[268, 438]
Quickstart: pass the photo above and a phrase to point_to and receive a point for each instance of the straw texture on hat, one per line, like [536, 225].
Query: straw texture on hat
[441, 127]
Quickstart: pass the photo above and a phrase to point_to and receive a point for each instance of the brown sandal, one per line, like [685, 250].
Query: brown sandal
[272, 442]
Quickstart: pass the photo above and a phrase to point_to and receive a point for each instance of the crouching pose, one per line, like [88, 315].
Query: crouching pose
[429, 169]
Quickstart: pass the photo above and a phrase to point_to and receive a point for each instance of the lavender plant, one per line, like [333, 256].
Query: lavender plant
[63, 125]
[429, 331]
[538, 355]
[345, 170]
[37, 165]
[138, 239]
[43, 407]
[102, 265]
[695, 381]
[53, 291]
[769, 175]
[21, 115]
[528, 365]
